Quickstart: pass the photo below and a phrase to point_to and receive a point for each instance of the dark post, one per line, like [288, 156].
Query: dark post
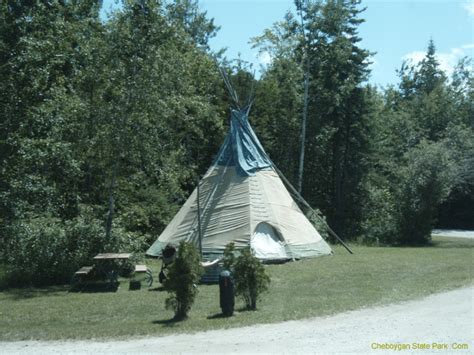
[199, 218]
[305, 63]
[226, 293]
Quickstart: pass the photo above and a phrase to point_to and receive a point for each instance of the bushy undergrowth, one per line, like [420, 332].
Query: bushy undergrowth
[45, 250]
[380, 226]
[402, 208]
[318, 220]
[36, 252]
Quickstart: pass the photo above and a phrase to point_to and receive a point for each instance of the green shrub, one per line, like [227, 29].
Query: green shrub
[401, 208]
[318, 220]
[183, 275]
[250, 278]
[380, 224]
[228, 258]
[46, 250]
[85, 239]
[426, 179]
[36, 253]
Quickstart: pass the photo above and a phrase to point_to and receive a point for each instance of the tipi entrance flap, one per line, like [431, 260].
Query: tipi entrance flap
[266, 243]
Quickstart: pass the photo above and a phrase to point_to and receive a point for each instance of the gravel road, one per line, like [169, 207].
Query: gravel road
[440, 324]
[455, 233]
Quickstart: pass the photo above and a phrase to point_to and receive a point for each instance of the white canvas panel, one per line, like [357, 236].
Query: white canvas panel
[283, 213]
[266, 244]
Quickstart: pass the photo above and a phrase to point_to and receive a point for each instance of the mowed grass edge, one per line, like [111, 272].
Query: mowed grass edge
[303, 289]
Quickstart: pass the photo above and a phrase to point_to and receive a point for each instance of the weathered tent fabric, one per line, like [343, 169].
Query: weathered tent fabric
[242, 148]
[239, 193]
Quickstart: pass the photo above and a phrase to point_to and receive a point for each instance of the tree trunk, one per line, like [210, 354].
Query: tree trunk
[336, 181]
[303, 132]
[110, 215]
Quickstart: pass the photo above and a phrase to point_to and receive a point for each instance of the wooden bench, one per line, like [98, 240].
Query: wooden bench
[84, 271]
[80, 274]
[143, 269]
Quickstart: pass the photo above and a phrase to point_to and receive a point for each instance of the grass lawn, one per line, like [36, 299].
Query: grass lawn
[315, 287]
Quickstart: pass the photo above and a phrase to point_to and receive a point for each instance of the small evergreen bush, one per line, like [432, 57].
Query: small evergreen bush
[249, 273]
[183, 275]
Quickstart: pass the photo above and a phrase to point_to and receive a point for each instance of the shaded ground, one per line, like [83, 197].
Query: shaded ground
[445, 318]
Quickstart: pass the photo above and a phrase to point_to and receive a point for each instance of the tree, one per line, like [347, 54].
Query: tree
[429, 76]
[39, 105]
[248, 272]
[424, 185]
[455, 211]
[340, 108]
[161, 111]
[339, 113]
[187, 15]
[421, 155]
[47, 49]
[108, 121]
[279, 94]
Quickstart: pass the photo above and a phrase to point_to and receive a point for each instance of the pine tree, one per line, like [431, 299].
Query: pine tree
[339, 112]
[325, 44]
[428, 76]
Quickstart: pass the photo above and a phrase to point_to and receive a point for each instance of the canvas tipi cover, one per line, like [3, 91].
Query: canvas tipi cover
[243, 200]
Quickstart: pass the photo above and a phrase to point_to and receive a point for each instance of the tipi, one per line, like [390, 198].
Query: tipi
[243, 200]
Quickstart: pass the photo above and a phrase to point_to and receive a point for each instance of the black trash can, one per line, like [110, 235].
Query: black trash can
[226, 293]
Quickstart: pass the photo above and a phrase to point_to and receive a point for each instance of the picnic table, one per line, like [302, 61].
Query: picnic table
[109, 264]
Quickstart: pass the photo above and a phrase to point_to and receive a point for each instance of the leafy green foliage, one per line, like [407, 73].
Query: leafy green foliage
[186, 15]
[248, 272]
[35, 253]
[103, 121]
[228, 258]
[380, 224]
[44, 250]
[182, 278]
[319, 222]
[326, 47]
[105, 126]
[424, 185]
[250, 277]
[422, 154]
